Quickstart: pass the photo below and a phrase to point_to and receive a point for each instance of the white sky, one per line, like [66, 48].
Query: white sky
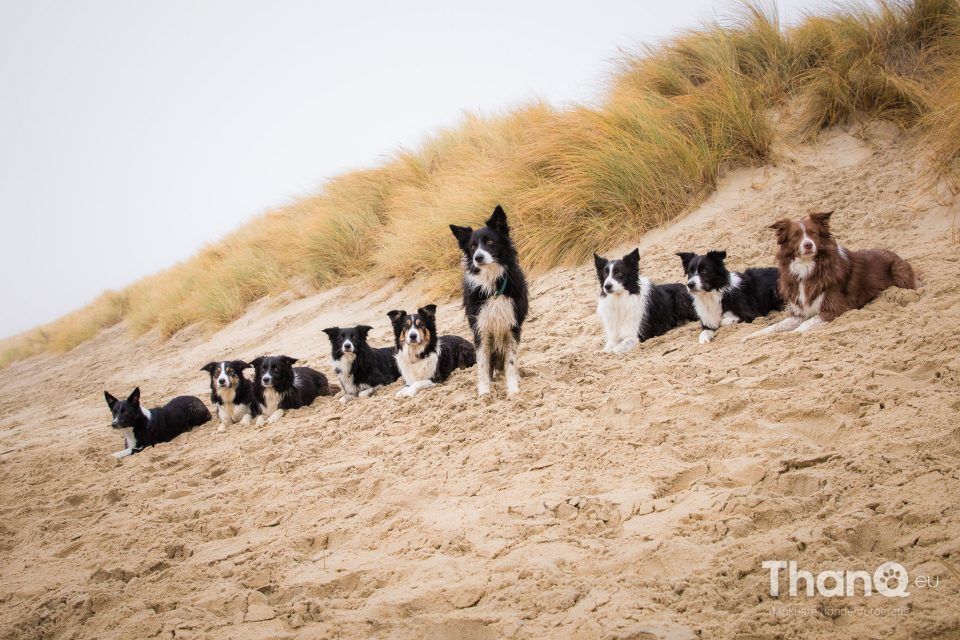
[134, 132]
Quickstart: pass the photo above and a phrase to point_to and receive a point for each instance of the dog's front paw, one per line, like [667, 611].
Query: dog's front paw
[274, 418]
[260, 421]
[344, 399]
[406, 392]
[624, 347]
[221, 428]
[706, 336]
[122, 454]
[247, 419]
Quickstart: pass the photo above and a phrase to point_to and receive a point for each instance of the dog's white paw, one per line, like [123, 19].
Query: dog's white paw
[406, 392]
[122, 454]
[260, 421]
[706, 336]
[221, 428]
[247, 419]
[344, 399]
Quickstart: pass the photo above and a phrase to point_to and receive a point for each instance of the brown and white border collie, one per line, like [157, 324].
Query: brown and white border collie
[820, 280]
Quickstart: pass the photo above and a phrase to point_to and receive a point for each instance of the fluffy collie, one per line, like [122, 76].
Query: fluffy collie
[360, 368]
[230, 392]
[494, 298]
[633, 309]
[820, 280]
[146, 427]
[722, 298]
[425, 359]
[279, 386]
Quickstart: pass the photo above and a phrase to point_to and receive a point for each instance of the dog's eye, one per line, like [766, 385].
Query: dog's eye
[701, 269]
[488, 242]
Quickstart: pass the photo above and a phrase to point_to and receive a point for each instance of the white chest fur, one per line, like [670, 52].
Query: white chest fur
[803, 307]
[709, 304]
[271, 401]
[496, 319]
[130, 440]
[344, 370]
[234, 412]
[413, 368]
[622, 313]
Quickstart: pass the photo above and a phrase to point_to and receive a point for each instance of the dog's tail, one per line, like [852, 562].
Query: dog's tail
[324, 388]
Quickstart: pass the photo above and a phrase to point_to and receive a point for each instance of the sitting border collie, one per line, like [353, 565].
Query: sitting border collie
[279, 386]
[230, 392]
[146, 427]
[360, 368]
[722, 298]
[633, 309]
[424, 359]
[820, 280]
[494, 298]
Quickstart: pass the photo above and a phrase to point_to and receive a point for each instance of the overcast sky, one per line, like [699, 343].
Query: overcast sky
[134, 132]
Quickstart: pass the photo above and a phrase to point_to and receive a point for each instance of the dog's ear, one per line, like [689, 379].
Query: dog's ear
[288, 360]
[110, 399]
[717, 255]
[331, 333]
[685, 258]
[821, 218]
[633, 258]
[134, 397]
[599, 262]
[498, 221]
[462, 234]
[256, 362]
[363, 330]
[209, 367]
[782, 229]
[240, 365]
[396, 315]
[428, 310]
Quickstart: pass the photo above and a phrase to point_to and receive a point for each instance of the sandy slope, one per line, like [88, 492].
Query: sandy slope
[620, 497]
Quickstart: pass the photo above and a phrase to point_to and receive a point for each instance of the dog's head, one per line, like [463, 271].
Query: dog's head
[488, 250]
[416, 330]
[346, 341]
[618, 276]
[705, 272]
[127, 412]
[273, 371]
[804, 239]
[226, 374]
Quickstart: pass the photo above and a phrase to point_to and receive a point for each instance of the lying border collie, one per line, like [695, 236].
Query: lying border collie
[723, 298]
[494, 298]
[633, 309]
[820, 280]
[360, 368]
[230, 392]
[424, 359]
[146, 427]
[279, 386]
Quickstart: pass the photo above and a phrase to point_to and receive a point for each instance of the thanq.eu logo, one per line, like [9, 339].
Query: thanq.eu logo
[890, 579]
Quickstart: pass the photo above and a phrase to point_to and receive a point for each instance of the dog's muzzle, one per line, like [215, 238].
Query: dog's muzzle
[808, 248]
[347, 347]
[224, 382]
[413, 337]
[267, 381]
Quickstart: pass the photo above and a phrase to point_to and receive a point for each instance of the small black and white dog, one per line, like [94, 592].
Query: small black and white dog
[230, 392]
[360, 368]
[494, 298]
[146, 427]
[279, 386]
[425, 359]
[633, 309]
[723, 298]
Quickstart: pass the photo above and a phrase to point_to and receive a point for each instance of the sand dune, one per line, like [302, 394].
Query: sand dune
[618, 497]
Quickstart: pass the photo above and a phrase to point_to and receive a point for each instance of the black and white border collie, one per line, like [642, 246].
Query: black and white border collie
[722, 298]
[494, 298]
[425, 359]
[230, 392]
[633, 309]
[361, 368]
[279, 386]
[146, 427]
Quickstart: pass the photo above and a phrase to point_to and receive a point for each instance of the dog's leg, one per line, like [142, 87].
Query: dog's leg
[411, 390]
[484, 354]
[787, 324]
[366, 391]
[246, 420]
[123, 454]
[812, 323]
[511, 368]
[625, 345]
[728, 319]
[706, 335]
[276, 415]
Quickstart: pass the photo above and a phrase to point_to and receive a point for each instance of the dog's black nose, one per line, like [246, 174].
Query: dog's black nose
[608, 287]
[691, 286]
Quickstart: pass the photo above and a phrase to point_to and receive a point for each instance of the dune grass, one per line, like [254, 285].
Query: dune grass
[572, 181]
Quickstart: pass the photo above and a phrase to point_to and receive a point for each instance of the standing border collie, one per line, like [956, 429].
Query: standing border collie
[360, 368]
[230, 392]
[279, 386]
[424, 359]
[146, 427]
[820, 280]
[633, 309]
[494, 298]
[722, 298]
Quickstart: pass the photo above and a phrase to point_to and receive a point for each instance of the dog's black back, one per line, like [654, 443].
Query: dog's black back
[297, 386]
[494, 240]
[454, 351]
[371, 366]
[165, 423]
[757, 295]
[232, 371]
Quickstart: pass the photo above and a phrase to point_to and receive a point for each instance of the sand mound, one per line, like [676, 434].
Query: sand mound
[619, 497]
